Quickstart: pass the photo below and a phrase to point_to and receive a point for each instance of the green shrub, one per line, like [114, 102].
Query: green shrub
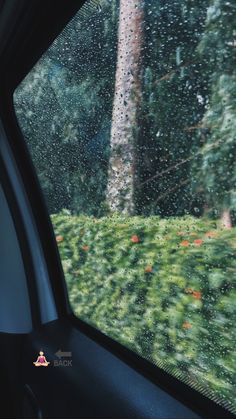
[163, 287]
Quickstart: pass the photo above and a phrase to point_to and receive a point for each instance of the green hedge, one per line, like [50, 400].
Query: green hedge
[163, 287]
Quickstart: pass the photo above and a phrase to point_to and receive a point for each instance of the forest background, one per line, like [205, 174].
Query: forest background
[178, 148]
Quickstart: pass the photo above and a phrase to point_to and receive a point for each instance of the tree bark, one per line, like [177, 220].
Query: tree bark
[128, 93]
[226, 220]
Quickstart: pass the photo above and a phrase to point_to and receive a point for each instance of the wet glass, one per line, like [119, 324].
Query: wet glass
[130, 120]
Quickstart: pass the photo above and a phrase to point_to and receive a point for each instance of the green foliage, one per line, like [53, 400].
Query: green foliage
[218, 43]
[175, 89]
[163, 287]
[216, 174]
[64, 108]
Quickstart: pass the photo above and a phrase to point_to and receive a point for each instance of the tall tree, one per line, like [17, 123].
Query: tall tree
[128, 91]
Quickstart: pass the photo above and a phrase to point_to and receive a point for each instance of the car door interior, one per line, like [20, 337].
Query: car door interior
[102, 379]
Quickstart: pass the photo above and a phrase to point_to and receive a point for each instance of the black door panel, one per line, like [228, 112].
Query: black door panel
[97, 385]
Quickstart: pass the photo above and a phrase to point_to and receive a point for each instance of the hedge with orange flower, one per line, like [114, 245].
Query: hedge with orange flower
[163, 287]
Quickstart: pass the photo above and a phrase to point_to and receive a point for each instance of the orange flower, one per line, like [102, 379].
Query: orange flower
[186, 325]
[85, 248]
[211, 234]
[188, 290]
[59, 239]
[135, 239]
[148, 269]
[197, 295]
[198, 242]
[184, 243]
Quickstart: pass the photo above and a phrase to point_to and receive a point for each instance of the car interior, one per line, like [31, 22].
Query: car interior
[97, 377]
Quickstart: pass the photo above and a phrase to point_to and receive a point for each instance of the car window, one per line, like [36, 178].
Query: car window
[130, 120]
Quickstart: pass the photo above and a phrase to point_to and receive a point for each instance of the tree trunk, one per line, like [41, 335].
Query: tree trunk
[128, 91]
[226, 220]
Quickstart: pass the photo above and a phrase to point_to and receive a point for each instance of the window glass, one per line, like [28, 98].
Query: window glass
[130, 119]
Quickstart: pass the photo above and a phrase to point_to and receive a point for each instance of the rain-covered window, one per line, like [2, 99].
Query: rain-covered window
[130, 118]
